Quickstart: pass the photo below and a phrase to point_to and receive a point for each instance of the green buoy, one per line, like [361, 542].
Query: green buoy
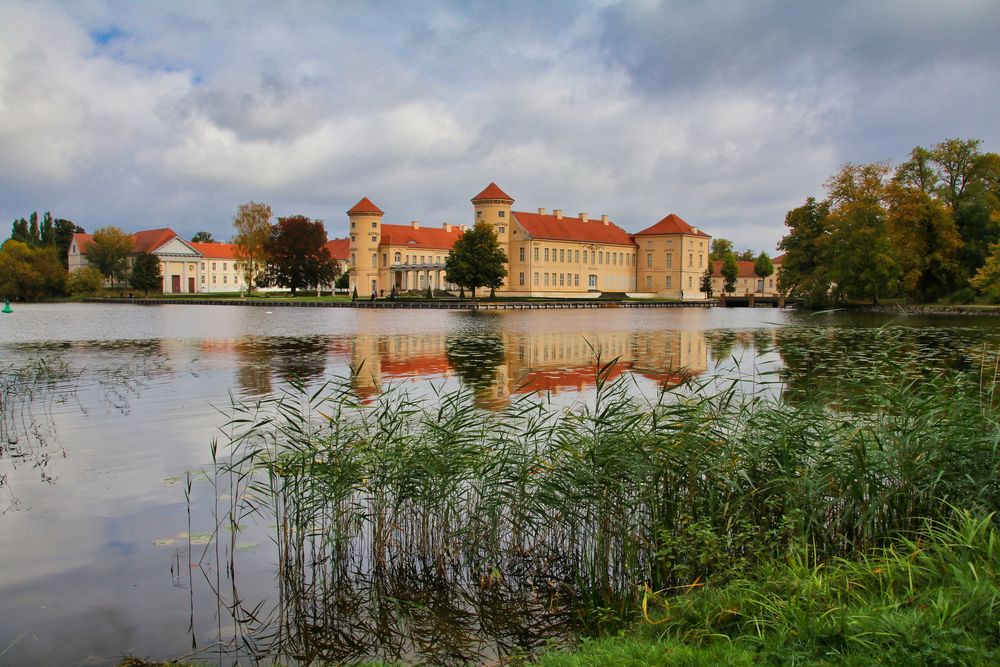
[7, 308]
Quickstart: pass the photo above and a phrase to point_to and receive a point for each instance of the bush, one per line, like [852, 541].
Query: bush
[85, 280]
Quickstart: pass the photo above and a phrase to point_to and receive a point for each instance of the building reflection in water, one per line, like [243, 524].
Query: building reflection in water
[498, 365]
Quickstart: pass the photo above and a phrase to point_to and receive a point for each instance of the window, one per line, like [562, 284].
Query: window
[670, 242]
[353, 224]
[690, 281]
[546, 279]
[224, 277]
[203, 266]
[501, 214]
[670, 282]
[670, 260]
[398, 257]
[521, 254]
[479, 215]
[536, 276]
[421, 259]
[576, 280]
[385, 259]
[546, 254]
[374, 239]
[584, 256]
[214, 265]
[649, 260]
[236, 279]
[215, 279]
[577, 256]
[562, 280]
[520, 278]
[592, 281]
[353, 238]
[374, 225]
[562, 255]
[374, 261]
[701, 260]
[600, 257]
[690, 259]
[203, 280]
[536, 256]
[354, 261]
[501, 229]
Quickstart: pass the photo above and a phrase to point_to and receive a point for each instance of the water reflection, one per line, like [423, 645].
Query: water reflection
[500, 364]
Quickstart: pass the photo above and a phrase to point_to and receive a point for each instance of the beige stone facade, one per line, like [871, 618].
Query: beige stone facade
[549, 254]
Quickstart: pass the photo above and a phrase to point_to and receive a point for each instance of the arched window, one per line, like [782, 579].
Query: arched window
[398, 258]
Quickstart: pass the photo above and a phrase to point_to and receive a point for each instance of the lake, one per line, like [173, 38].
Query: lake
[110, 502]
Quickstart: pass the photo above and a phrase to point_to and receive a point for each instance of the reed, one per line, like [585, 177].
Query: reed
[425, 513]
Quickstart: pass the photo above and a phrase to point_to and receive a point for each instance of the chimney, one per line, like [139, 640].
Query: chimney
[694, 229]
[541, 211]
[447, 227]
[415, 224]
[604, 219]
[583, 217]
[558, 213]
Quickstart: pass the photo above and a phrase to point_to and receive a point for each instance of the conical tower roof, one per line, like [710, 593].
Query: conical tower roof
[492, 191]
[366, 205]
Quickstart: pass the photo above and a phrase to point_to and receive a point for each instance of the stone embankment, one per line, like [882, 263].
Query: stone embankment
[435, 305]
[990, 311]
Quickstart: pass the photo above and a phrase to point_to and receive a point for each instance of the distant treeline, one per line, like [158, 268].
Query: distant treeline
[925, 230]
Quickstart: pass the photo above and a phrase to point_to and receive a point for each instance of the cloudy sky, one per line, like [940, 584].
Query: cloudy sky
[149, 114]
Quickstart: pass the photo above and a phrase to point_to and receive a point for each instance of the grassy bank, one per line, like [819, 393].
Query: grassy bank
[774, 517]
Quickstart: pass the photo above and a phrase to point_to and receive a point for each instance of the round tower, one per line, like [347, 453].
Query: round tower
[366, 235]
[492, 206]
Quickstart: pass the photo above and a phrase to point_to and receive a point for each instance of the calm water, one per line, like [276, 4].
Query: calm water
[99, 556]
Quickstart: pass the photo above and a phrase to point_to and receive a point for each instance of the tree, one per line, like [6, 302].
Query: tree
[863, 266]
[85, 280]
[203, 237]
[730, 272]
[253, 229]
[34, 236]
[476, 259]
[745, 256]
[146, 273]
[805, 269]
[297, 255]
[19, 231]
[720, 248]
[706, 281]
[108, 251]
[63, 232]
[763, 266]
[30, 273]
[48, 231]
[987, 278]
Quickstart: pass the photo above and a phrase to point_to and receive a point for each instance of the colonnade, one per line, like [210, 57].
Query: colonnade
[418, 279]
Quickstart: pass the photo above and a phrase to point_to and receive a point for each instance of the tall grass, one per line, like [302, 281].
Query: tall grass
[417, 518]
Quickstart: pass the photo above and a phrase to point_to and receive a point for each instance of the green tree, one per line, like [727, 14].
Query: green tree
[85, 280]
[108, 251]
[763, 266]
[918, 172]
[19, 231]
[987, 278]
[253, 229]
[745, 255]
[730, 272]
[476, 259]
[48, 230]
[805, 269]
[706, 281]
[146, 273]
[63, 231]
[863, 266]
[203, 237]
[297, 255]
[34, 236]
[720, 248]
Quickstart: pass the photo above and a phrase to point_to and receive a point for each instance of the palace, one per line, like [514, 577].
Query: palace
[549, 254]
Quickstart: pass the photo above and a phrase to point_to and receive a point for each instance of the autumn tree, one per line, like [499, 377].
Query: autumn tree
[863, 267]
[84, 280]
[30, 273]
[108, 251]
[297, 255]
[253, 229]
[719, 249]
[476, 259]
[146, 273]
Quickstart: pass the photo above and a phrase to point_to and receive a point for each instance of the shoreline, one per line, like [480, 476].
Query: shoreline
[427, 305]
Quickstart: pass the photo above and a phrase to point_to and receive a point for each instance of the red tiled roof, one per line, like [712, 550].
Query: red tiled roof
[778, 260]
[542, 226]
[82, 241]
[746, 269]
[150, 239]
[365, 206]
[339, 248]
[216, 250]
[424, 237]
[493, 191]
[672, 224]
